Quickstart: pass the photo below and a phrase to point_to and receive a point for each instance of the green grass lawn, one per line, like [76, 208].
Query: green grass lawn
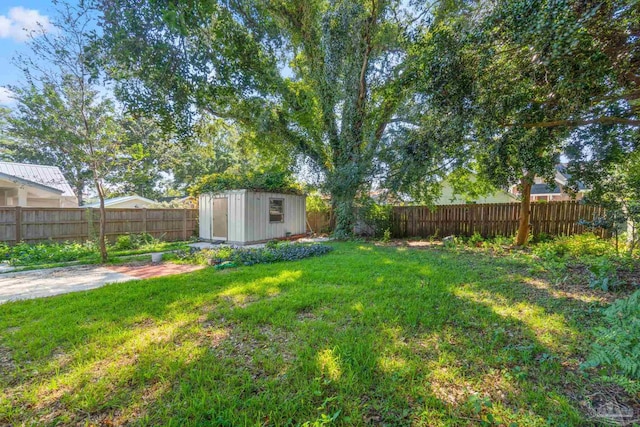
[365, 335]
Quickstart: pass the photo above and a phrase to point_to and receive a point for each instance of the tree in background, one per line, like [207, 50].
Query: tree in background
[511, 79]
[28, 150]
[314, 78]
[59, 108]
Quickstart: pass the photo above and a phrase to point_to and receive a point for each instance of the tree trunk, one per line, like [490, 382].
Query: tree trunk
[525, 211]
[79, 193]
[345, 215]
[103, 223]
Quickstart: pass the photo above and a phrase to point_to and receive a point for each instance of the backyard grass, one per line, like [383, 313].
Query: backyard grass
[365, 335]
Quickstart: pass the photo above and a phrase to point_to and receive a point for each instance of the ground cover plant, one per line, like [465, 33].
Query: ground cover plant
[272, 252]
[46, 253]
[365, 335]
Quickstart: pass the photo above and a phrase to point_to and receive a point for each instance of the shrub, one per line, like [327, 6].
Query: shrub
[47, 252]
[124, 242]
[603, 275]
[134, 241]
[618, 344]
[373, 218]
[476, 239]
[578, 245]
[386, 236]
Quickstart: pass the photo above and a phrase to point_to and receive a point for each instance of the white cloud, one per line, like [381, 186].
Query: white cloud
[20, 22]
[5, 96]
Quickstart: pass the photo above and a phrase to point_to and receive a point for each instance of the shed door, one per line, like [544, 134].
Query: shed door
[220, 217]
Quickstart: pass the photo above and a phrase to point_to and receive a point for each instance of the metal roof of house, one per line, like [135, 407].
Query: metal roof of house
[116, 200]
[544, 189]
[48, 176]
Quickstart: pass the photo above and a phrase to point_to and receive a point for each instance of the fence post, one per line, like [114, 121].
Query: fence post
[144, 220]
[184, 225]
[18, 213]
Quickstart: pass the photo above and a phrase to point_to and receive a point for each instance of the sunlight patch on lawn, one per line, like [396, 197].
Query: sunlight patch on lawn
[392, 364]
[266, 287]
[359, 307]
[578, 294]
[329, 364]
[549, 328]
[82, 384]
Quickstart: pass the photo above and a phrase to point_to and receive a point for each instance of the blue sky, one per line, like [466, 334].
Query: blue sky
[15, 15]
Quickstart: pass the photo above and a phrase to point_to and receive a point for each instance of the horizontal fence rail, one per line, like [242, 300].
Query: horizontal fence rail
[25, 224]
[492, 219]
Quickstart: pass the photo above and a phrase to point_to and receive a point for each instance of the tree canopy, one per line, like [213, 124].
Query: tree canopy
[321, 79]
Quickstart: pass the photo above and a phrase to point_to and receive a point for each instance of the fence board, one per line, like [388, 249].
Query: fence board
[492, 219]
[80, 224]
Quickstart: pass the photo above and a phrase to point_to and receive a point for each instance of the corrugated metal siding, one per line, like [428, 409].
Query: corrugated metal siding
[249, 216]
[205, 212]
[258, 226]
[237, 225]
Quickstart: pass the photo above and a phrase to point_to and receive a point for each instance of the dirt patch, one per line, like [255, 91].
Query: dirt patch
[611, 405]
[146, 271]
[7, 364]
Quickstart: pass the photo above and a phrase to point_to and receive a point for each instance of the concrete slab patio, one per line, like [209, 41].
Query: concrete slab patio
[55, 281]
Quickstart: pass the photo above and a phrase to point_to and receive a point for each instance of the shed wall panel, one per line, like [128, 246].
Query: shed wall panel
[248, 214]
[237, 203]
[205, 219]
[258, 226]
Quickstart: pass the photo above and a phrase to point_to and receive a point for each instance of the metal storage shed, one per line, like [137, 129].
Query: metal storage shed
[244, 217]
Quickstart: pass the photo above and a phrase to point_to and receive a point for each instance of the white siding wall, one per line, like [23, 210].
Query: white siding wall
[205, 211]
[258, 226]
[237, 225]
[249, 216]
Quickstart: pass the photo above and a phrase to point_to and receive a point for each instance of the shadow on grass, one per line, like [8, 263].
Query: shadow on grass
[364, 335]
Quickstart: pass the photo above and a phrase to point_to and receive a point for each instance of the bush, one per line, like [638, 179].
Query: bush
[373, 218]
[603, 275]
[45, 253]
[578, 245]
[476, 239]
[618, 344]
[134, 241]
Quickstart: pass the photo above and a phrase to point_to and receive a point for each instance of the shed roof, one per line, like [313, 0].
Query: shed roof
[48, 176]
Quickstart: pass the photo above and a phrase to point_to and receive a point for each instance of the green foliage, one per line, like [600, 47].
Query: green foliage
[375, 218]
[317, 203]
[576, 246]
[618, 344]
[270, 181]
[476, 239]
[274, 252]
[386, 236]
[134, 241]
[351, 70]
[604, 275]
[45, 253]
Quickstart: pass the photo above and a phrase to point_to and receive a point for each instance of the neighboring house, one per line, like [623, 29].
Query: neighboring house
[554, 192]
[182, 202]
[29, 185]
[133, 201]
[448, 197]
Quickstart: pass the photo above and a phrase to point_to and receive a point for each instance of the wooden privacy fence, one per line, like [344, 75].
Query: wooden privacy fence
[79, 224]
[319, 222]
[492, 219]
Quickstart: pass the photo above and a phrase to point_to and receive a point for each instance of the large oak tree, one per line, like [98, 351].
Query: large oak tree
[315, 78]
